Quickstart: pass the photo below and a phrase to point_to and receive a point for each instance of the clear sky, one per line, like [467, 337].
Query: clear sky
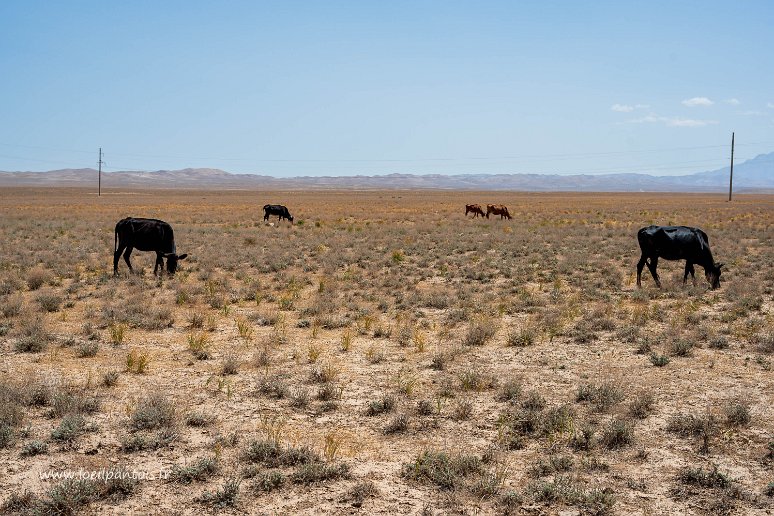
[293, 88]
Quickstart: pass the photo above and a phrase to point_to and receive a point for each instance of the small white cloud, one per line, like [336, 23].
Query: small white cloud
[770, 105]
[687, 122]
[626, 108]
[697, 101]
[733, 102]
[751, 112]
[671, 121]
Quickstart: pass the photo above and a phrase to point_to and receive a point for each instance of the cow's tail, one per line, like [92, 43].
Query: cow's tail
[115, 240]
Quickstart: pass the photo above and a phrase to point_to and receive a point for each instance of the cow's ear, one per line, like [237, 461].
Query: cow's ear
[182, 256]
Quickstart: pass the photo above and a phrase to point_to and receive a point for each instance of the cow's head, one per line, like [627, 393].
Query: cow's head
[172, 260]
[290, 218]
[713, 275]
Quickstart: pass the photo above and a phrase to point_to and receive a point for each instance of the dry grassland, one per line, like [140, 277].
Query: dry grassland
[385, 355]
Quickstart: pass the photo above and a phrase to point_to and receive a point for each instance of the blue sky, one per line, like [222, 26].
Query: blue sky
[337, 88]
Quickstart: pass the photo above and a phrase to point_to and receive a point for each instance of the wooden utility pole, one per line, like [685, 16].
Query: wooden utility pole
[731, 178]
[99, 176]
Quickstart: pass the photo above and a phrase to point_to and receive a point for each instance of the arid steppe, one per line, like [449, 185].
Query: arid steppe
[384, 354]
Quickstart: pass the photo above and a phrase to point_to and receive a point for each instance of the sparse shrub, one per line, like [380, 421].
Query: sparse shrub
[199, 470]
[441, 469]
[602, 396]
[737, 413]
[198, 419]
[33, 335]
[583, 438]
[328, 372]
[557, 420]
[224, 497]
[110, 378]
[230, 364]
[361, 491]
[480, 332]
[702, 478]
[680, 347]
[329, 392]
[764, 342]
[619, 433]
[474, 380]
[641, 406]
[510, 391]
[68, 400]
[273, 386]
[71, 426]
[375, 355]
[33, 448]
[689, 425]
[533, 401]
[6, 435]
[439, 360]
[37, 277]
[524, 337]
[659, 360]
[463, 409]
[87, 349]
[196, 320]
[398, 424]
[385, 404]
[12, 305]
[154, 411]
[718, 342]
[268, 482]
[49, 301]
[270, 453]
[425, 408]
[644, 347]
[313, 472]
[299, 397]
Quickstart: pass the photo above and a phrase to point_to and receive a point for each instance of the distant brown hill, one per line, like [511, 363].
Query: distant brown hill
[754, 174]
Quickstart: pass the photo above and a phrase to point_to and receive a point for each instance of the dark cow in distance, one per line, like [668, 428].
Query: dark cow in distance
[146, 235]
[277, 209]
[475, 209]
[677, 243]
[498, 209]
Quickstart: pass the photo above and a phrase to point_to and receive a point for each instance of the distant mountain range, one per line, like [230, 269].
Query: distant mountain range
[752, 175]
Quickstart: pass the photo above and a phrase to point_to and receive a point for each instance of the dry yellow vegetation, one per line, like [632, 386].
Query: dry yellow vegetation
[384, 354]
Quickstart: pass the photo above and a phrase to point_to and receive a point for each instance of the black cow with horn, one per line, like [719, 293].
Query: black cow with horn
[677, 243]
[146, 235]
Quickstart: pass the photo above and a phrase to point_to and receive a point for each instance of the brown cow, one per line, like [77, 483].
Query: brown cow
[475, 209]
[498, 209]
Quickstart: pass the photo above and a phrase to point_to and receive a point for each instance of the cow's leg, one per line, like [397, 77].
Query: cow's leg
[116, 257]
[266, 216]
[689, 270]
[652, 267]
[640, 265]
[127, 254]
[159, 263]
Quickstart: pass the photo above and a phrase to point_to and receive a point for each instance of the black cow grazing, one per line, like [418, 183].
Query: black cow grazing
[146, 235]
[277, 209]
[677, 243]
